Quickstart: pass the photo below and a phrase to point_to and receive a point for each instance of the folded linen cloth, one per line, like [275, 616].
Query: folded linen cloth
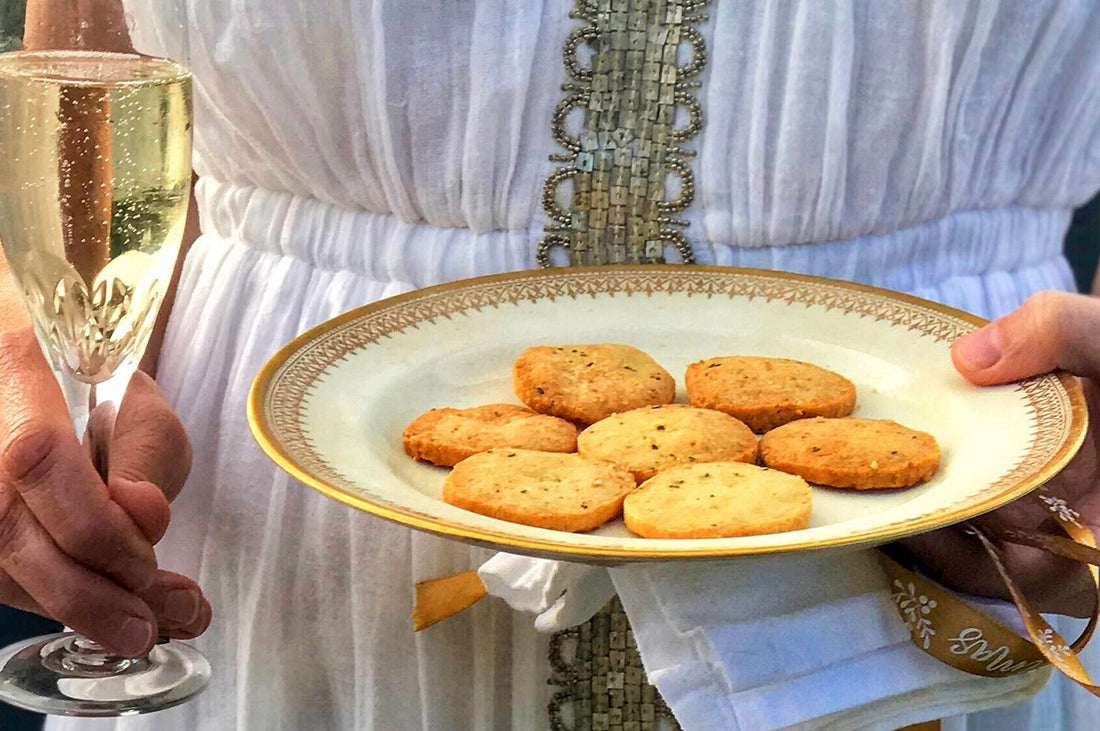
[761, 643]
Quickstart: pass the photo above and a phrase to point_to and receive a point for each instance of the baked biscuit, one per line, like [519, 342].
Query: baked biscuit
[717, 500]
[447, 436]
[852, 452]
[564, 492]
[652, 438]
[585, 383]
[768, 392]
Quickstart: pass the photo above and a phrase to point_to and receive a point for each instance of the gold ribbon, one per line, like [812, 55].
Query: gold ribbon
[437, 599]
[953, 632]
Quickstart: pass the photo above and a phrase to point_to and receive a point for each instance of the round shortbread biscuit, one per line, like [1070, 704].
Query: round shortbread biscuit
[718, 500]
[653, 438]
[564, 492]
[852, 452]
[586, 383]
[768, 392]
[448, 436]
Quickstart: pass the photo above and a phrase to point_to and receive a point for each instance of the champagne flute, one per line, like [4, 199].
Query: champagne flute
[95, 179]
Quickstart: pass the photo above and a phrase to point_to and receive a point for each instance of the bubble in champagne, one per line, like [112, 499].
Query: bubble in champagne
[93, 196]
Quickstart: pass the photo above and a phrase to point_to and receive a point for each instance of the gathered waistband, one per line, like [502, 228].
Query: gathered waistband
[985, 244]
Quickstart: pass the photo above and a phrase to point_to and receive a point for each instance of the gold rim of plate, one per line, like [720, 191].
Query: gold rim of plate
[392, 315]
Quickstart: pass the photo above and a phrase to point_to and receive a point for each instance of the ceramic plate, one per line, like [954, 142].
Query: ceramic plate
[330, 407]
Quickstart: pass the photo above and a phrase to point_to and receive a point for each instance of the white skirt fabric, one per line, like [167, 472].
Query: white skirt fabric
[312, 600]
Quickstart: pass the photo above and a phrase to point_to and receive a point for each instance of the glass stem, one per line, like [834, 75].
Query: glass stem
[79, 397]
[83, 398]
[80, 657]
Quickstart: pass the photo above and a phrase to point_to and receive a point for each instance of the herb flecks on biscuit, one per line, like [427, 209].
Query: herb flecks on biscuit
[852, 452]
[585, 383]
[768, 392]
[653, 438]
[447, 436]
[564, 492]
[718, 500]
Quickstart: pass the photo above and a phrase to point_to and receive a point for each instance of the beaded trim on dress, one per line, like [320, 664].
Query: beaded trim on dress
[629, 145]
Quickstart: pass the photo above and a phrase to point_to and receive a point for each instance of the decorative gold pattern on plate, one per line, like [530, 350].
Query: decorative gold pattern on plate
[630, 142]
[281, 392]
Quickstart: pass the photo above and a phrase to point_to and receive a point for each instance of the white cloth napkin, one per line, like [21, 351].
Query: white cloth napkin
[763, 643]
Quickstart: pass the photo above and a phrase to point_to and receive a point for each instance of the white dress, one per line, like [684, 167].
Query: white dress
[350, 150]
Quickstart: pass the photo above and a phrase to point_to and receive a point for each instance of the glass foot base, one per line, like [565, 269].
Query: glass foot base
[37, 675]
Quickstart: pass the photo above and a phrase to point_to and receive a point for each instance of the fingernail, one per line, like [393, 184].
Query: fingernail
[980, 349]
[135, 636]
[181, 606]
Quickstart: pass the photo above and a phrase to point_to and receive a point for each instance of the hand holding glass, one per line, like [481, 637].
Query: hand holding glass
[95, 180]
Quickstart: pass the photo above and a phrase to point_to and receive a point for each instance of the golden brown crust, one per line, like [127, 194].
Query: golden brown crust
[652, 438]
[768, 392]
[564, 492]
[448, 436]
[718, 500]
[585, 383]
[852, 452]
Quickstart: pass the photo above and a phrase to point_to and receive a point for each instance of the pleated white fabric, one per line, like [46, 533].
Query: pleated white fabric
[353, 149]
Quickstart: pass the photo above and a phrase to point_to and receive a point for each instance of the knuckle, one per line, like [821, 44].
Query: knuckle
[163, 442]
[81, 541]
[13, 527]
[16, 345]
[168, 425]
[133, 466]
[65, 604]
[1034, 332]
[30, 452]
[1046, 306]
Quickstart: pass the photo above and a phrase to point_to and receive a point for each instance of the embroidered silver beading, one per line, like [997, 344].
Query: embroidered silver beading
[630, 142]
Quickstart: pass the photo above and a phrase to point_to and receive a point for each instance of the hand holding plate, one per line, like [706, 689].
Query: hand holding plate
[1052, 330]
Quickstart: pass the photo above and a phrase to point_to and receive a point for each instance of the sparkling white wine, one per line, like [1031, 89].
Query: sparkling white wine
[95, 176]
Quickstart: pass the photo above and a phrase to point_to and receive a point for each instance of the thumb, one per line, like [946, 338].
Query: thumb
[97, 436]
[150, 456]
[149, 443]
[1051, 330]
